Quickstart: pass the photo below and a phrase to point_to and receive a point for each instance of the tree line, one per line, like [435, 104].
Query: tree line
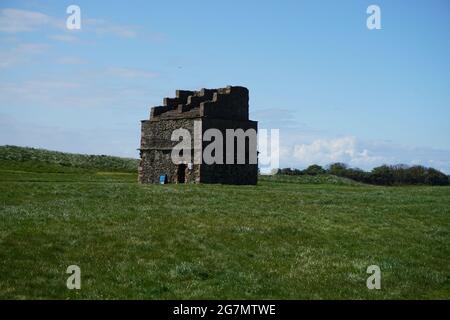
[399, 174]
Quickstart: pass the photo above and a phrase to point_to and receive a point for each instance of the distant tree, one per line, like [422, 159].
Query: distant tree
[382, 175]
[416, 175]
[356, 174]
[290, 172]
[338, 169]
[400, 173]
[435, 177]
[314, 170]
[285, 171]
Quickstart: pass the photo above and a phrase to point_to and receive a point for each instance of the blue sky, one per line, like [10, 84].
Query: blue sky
[336, 90]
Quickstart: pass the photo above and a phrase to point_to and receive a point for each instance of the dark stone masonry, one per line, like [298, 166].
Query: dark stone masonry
[222, 109]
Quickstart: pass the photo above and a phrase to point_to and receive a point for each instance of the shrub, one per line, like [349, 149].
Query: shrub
[416, 174]
[435, 177]
[314, 170]
[356, 174]
[382, 175]
[338, 169]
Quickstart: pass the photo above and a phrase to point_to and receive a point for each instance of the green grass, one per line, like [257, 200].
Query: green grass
[41, 160]
[286, 238]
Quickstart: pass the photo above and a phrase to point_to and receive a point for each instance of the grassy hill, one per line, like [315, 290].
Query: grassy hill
[286, 238]
[40, 160]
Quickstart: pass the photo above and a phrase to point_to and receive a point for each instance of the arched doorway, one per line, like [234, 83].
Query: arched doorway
[181, 173]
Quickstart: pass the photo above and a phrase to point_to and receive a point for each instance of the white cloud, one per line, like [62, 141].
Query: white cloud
[361, 154]
[276, 117]
[31, 48]
[21, 54]
[325, 151]
[102, 27]
[42, 86]
[15, 20]
[90, 89]
[71, 60]
[130, 73]
[63, 37]
[38, 93]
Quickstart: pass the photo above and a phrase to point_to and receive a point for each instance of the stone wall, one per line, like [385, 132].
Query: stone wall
[228, 103]
[156, 149]
[224, 103]
[229, 173]
[155, 163]
[224, 108]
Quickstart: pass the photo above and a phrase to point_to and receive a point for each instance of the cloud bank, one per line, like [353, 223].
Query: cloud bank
[362, 154]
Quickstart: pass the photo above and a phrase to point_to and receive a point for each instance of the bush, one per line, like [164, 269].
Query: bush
[383, 175]
[314, 170]
[416, 174]
[338, 169]
[435, 177]
[356, 174]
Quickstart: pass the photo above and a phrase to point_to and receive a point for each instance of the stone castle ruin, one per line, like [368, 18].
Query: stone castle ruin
[196, 112]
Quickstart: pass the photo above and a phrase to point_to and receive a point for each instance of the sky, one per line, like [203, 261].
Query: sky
[337, 91]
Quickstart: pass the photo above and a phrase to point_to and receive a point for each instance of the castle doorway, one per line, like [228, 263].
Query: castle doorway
[181, 173]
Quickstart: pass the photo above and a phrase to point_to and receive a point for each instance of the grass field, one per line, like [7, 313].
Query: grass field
[286, 238]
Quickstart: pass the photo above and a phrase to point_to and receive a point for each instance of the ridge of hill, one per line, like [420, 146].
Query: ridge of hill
[42, 160]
